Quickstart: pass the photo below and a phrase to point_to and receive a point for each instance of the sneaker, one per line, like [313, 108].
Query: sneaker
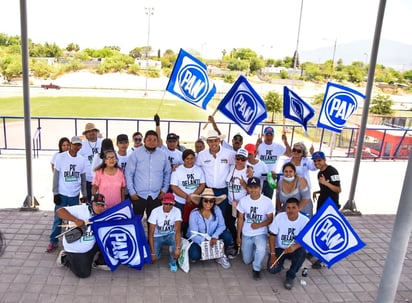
[256, 275]
[60, 258]
[224, 262]
[51, 247]
[173, 267]
[317, 265]
[288, 283]
[231, 252]
[101, 266]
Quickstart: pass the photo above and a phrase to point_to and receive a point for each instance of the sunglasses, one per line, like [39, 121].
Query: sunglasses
[317, 160]
[137, 139]
[241, 159]
[209, 200]
[297, 150]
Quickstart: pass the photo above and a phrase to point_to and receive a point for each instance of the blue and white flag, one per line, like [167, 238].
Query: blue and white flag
[122, 242]
[296, 109]
[329, 236]
[190, 82]
[339, 103]
[121, 211]
[243, 105]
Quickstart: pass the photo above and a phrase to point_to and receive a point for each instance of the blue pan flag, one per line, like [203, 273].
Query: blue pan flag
[296, 109]
[243, 105]
[339, 103]
[329, 236]
[189, 80]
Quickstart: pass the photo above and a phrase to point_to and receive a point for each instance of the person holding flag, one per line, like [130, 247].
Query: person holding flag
[270, 152]
[282, 245]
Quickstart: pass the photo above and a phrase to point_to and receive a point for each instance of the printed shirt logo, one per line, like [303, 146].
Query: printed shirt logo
[191, 182]
[71, 175]
[253, 216]
[268, 158]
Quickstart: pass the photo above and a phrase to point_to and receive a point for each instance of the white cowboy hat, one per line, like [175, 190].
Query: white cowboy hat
[89, 127]
[207, 193]
[212, 134]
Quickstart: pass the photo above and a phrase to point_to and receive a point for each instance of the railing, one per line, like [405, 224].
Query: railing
[379, 142]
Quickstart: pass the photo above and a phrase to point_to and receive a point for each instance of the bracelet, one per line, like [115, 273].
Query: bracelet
[272, 253]
[178, 248]
[153, 254]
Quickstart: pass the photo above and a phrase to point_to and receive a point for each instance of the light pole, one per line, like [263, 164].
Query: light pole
[333, 57]
[295, 61]
[148, 12]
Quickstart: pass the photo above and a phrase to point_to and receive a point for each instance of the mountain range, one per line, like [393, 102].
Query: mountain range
[390, 54]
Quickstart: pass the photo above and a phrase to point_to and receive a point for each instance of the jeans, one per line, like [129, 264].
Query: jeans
[297, 258]
[56, 229]
[81, 263]
[254, 249]
[224, 204]
[168, 240]
[195, 252]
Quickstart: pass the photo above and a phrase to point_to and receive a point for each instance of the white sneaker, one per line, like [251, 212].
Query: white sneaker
[59, 260]
[101, 267]
[224, 262]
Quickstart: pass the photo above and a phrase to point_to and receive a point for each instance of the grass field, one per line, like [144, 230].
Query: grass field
[90, 107]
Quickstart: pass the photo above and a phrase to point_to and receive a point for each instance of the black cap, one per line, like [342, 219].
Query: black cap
[122, 138]
[172, 137]
[254, 181]
[98, 199]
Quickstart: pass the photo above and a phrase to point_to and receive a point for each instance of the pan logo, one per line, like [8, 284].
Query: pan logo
[120, 245]
[339, 107]
[330, 235]
[193, 82]
[297, 107]
[244, 107]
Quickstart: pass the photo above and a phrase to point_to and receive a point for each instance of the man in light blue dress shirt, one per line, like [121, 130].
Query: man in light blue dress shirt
[147, 175]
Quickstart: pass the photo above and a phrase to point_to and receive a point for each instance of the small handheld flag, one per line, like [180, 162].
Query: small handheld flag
[189, 80]
[296, 109]
[339, 103]
[329, 236]
[243, 105]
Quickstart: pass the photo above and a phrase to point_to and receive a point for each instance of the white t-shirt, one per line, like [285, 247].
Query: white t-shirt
[174, 156]
[87, 241]
[96, 161]
[70, 168]
[259, 169]
[216, 169]
[270, 154]
[233, 184]
[187, 179]
[165, 222]
[255, 211]
[122, 160]
[88, 150]
[286, 230]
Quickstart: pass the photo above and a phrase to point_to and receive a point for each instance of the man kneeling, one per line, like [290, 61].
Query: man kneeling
[282, 233]
[80, 249]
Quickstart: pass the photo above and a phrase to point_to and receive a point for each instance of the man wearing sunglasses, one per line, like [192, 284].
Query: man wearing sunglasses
[137, 140]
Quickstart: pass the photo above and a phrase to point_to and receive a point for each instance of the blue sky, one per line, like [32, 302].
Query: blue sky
[267, 26]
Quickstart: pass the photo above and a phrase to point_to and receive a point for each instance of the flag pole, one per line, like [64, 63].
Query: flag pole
[213, 115]
[278, 258]
[161, 101]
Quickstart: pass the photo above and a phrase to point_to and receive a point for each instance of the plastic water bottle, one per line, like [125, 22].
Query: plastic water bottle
[304, 275]
[271, 181]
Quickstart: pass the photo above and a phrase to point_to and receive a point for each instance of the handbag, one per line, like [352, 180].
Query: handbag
[210, 252]
[183, 260]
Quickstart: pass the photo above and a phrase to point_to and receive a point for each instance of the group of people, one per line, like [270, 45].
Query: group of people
[222, 191]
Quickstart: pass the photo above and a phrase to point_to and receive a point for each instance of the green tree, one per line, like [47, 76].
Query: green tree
[136, 53]
[72, 47]
[10, 66]
[273, 102]
[381, 105]
[318, 99]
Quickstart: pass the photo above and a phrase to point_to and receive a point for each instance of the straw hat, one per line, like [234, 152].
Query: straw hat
[207, 193]
[89, 127]
[212, 134]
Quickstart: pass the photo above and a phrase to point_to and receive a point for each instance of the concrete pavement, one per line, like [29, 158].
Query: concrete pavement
[28, 274]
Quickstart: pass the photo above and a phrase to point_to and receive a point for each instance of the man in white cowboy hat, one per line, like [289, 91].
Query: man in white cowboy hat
[90, 146]
[215, 162]
[237, 140]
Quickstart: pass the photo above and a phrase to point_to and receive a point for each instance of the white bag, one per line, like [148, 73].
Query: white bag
[183, 259]
[212, 252]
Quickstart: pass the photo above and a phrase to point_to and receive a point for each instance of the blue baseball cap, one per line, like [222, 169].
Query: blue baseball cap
[318, 155]
[269, 130]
